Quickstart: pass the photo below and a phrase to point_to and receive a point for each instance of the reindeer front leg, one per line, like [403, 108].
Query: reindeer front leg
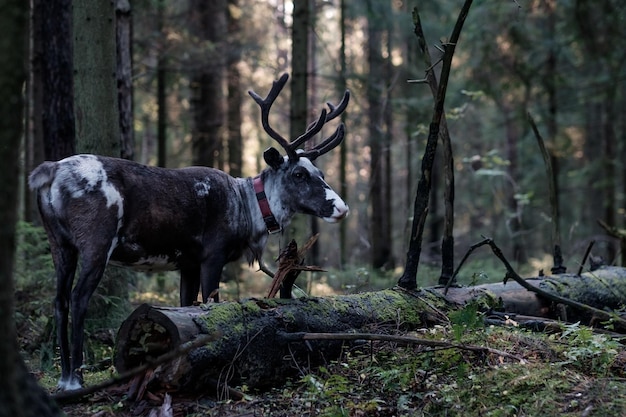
[189, 284]
[210, 275]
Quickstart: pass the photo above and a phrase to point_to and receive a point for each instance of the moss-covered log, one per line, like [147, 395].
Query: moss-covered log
[250, 348]
[603, 289]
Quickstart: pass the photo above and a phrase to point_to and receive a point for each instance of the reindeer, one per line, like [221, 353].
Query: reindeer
[107, 210]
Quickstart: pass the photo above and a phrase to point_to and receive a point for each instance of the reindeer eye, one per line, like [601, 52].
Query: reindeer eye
[300, 174]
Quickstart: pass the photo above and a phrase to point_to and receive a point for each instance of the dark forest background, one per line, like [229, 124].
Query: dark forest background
[183, 70]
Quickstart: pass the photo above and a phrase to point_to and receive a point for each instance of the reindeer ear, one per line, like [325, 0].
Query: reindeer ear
[273, 158]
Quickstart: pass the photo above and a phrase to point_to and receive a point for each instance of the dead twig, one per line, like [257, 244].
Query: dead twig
[290, 264]
[557, 258]
[510, 273]
[439, 344]
[585, 256]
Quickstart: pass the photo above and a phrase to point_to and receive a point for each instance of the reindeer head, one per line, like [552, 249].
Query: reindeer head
[296, 180]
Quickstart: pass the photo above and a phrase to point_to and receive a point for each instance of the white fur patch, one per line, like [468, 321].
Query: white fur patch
[203, 187]
[80, 174]
[69, 385]
[340, 208]
[83, 173]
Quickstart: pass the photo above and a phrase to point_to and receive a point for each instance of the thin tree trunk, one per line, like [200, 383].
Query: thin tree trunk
[343, 151]
[124, 37]
[447, 240]
[609, 148]
[58, 109]
[622, 141]
[20, 396]
[411, 116]
[551, 80]
[514, 221]
[235, 140]
[313, 254]
[299, 228]
[388, 118]
[209, 23]
[380, 250]
[33, 146]
[161, 81]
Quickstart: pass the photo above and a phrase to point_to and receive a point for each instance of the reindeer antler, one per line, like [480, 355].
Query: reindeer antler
[314, 128]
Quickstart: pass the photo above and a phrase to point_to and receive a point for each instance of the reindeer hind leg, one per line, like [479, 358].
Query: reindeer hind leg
[65, 258]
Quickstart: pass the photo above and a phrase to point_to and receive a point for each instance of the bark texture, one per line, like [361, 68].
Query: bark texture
[253, 347]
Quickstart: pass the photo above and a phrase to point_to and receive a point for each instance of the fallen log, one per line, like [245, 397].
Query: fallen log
[252, 348]
[255, 347]
[603, 289]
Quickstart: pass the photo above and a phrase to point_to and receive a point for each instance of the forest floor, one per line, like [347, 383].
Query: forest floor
[571, 372]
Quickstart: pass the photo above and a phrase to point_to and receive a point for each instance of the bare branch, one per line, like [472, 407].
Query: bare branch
[398, 339]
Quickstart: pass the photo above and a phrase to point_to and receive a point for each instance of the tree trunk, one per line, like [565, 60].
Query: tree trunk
[235, 140]
[20, 396]
[514, 215]
[97, 122]
[388, 119]
[125, 77]
[161, 87]
[298, 108]
[54, 21]
[33, 135]
[95, 93]
[343, 150]
[381, 246]
[209, 25]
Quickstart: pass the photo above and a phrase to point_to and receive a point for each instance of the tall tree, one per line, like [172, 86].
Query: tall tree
[381, 243]
[299, 227]
[209, 27]
[343, 155]
[598, 23]
[161, 78]
[51, 133]
[53, 20]
[235, 140]
[97, 121]
[96, 105]
[388, 121]
[123, 24]
[20, 396]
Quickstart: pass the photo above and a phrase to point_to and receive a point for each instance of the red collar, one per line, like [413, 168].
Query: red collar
[269, 219]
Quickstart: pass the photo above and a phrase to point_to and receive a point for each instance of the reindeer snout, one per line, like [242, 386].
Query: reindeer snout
[343, 214]
[340, 211]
